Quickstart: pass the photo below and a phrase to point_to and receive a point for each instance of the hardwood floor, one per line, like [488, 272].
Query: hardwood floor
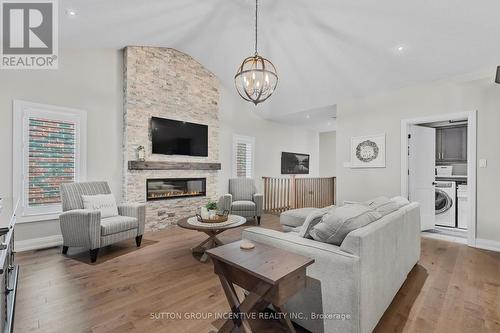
[454, 288]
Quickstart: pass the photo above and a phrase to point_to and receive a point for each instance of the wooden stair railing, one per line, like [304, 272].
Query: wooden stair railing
[277, 194]
[281, 194]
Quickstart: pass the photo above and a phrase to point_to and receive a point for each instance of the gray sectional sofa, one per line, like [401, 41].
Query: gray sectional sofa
[351, 285]
[294, 218]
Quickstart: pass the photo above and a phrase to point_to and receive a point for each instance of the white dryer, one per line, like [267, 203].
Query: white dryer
[446, 195]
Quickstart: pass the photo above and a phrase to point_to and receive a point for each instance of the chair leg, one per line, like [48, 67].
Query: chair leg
[93, 255]
[258, 220]
[138, 240]
[65, 249]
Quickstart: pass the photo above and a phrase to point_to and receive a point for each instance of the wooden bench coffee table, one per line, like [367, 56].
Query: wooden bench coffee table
[269, 274]
[212, 230]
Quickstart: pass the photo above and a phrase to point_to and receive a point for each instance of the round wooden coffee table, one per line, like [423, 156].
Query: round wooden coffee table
[212, 230]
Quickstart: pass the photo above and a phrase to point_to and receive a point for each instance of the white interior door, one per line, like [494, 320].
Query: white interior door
[421, 164]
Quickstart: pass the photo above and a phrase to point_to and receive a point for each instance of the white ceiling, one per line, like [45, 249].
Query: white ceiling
[323, 119]
[324, 50]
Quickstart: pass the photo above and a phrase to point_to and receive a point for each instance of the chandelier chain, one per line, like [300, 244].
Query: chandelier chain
[256, 21]
[256, 78]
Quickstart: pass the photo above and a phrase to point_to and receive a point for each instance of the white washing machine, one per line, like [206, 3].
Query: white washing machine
[446, 195]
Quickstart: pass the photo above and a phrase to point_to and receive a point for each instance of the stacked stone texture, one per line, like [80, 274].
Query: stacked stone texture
[166, 83]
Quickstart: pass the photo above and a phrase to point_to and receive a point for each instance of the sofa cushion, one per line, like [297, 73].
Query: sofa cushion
[243, 205]
[377, 202]
[312, 219]
[340, 221]
[286, 228]
[383, 205]
[401, 201]
[115, 224]
[105, 203]
[388, 208]
[296, 217]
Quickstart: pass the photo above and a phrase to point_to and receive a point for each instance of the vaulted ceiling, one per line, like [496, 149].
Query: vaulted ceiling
[324, 50]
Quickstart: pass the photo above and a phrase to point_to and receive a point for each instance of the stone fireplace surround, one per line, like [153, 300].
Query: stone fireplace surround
[166, 83]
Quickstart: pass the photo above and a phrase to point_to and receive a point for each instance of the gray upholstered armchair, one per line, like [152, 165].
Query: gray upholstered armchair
[242, 198]
[84, 228]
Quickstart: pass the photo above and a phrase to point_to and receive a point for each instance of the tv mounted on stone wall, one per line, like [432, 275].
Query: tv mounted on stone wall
[173, 137]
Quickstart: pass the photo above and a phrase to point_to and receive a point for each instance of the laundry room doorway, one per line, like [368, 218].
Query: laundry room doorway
[438, 170]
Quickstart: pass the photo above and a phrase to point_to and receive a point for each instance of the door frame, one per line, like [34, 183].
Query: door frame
[471, 117]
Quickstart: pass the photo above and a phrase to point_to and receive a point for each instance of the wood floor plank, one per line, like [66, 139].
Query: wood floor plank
[454, 288]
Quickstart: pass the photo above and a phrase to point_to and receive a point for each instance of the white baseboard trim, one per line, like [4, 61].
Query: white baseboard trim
[38, 243]
[487, 244]
[447, 238]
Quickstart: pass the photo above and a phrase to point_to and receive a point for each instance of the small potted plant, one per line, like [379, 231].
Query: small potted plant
[212, 208]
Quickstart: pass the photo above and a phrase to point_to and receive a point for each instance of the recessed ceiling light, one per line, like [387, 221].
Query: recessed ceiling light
[308, 116]
[401, 48]
[71, 12]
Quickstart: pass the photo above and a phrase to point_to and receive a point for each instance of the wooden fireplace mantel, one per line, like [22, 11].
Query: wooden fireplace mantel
[161, 165]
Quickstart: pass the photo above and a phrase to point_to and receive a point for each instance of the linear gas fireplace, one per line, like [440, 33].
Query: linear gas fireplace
[175, 188]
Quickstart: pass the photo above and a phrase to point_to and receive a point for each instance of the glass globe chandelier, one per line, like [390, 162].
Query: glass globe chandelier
[256, 78]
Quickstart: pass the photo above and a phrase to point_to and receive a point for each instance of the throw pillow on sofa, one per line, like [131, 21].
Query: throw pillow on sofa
[311, 220]
[377, 202]
[382, 205]
[340, 221]
[105, 203]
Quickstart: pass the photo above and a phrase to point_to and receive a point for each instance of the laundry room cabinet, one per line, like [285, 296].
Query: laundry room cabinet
[451, 144]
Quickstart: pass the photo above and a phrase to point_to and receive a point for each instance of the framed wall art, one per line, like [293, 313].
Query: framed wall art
[368, 151]
[294, 164]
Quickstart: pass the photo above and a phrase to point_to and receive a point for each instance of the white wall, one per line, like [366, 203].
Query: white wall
[382, 113]
[328, 154]
[86, 79]
[92, 80]
[240, 117]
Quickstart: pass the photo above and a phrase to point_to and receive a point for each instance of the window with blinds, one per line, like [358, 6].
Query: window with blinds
[243, 151]
[51, 159]
[49, 148]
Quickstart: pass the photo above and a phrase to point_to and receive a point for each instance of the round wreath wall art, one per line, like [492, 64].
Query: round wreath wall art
[367, 151]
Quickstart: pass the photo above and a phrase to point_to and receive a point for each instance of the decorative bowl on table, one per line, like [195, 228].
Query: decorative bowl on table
[216, 218]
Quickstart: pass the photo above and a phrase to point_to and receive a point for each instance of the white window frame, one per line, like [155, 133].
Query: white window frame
[22, 111]
[246, 139]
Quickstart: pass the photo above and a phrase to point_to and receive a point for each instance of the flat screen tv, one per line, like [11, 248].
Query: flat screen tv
[173, 137]
[294, 163]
